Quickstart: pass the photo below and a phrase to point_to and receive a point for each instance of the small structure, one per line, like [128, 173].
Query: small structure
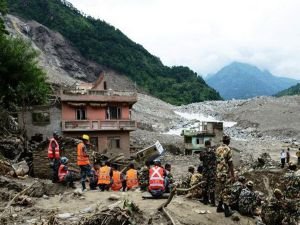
[194, 139]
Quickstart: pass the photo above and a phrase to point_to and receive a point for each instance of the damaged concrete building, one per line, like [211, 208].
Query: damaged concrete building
[194, 139]
[87, 108]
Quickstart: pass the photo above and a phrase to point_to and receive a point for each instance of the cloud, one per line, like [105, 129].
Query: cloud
[207, 35]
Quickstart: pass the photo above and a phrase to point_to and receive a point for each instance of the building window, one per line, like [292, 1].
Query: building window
[188, 140]
[94, 142]
[81, 114]
[104, 85]
[114, 142]
[40, 118]
[199, 141]
[113, 113]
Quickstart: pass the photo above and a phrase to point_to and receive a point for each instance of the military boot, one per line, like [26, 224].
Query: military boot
[227, 211]
[212, 199]
[220, 207]
[204, 198]
[83, 185]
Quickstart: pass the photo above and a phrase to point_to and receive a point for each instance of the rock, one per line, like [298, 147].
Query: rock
[65, 216]
[82, 198]
[114, 197]
[78, 192]
[45, 197]
[87, 210]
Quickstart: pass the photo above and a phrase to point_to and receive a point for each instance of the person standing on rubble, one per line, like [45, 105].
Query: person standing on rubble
[132, 177]
[298, 156]
[225, 176]
[83, 160]
[156, 180]
[282, 158]
[209, 160]
[54, 156]
[105, 176]
[288, 156]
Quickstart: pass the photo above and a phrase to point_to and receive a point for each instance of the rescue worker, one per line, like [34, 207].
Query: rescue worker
[235, 192]
[105, 177]
[225, 176]
[83, 160]
[156, 180]
[94, 177]
[54, 156]
[116, 179]
[209, 160]
[131, 178]
[186, 179]
[298, 156]
[248, 200]
[169, 179]
[143, 175]
[64, 175]
[291, 182]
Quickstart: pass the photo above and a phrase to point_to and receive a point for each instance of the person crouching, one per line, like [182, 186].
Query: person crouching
[156, 180]
[64, 175]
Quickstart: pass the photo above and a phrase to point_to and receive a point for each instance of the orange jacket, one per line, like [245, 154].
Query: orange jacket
[82, 157]
[104, 175]
[117, 182]
[132, 179]
[51, 154]
[156, 178]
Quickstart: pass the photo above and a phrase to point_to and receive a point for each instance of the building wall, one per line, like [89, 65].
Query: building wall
[103, 142]
[46, 129]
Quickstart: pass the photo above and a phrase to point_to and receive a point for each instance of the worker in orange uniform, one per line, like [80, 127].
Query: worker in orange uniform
[116, 179]
[83, 160]
[105, 177]
[132, 177]
[54, 156]
[64, 174]
[156, 180]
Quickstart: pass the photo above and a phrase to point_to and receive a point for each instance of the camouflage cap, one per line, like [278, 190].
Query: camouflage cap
[250, 183]
[226, 138]
[277, 192]
[242, 179]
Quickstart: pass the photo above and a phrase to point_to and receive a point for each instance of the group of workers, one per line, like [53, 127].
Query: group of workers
[106, 176]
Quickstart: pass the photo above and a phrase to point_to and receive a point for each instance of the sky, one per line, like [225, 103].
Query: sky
[206, 35]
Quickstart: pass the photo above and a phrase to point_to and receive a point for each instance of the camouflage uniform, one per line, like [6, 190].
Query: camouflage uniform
[224, 157]
[143, 175]
[291, 182]
[195, 179]
[186, 180]
[208, 157]
[247, 202]
[272, 212]
[169, 181]
[235, 192]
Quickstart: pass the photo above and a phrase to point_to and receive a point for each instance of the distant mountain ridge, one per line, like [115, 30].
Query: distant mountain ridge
[294, 90]
[240, 81]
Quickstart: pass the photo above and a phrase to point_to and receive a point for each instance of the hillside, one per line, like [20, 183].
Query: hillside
[241, 81]
[104, 44]
[294, 90]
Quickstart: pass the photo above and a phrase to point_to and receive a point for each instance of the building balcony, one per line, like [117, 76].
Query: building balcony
[98, 125]
[74, 95]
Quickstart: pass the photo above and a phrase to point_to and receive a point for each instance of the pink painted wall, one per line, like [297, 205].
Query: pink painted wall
[68, 112]
[125, 112]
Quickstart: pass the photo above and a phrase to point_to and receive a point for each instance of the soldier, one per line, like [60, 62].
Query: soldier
[169, 179]
[235, 192]
[144, 176]
[209, 159]
[196, 179]
[273, 210]
[225, 175]
[248, 200]
[291, 182]
[186, 180]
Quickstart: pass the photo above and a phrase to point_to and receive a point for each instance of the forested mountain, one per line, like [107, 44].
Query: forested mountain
[241, 81]
[98, 41]
[294, 90]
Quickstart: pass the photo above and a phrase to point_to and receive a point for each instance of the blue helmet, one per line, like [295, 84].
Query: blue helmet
[64, 160]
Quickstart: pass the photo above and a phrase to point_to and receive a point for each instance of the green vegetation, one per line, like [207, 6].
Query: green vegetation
[294, 90]
[108, 46]
[22, 82]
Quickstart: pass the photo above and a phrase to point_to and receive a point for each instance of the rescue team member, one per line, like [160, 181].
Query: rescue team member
[83, 160]
[117, 179]
[64, 174]
[94, 177]
[54, 156]
[104, 177]
[156, 180]
[132, 177]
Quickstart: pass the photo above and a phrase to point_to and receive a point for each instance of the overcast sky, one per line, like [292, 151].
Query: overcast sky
[208, 34]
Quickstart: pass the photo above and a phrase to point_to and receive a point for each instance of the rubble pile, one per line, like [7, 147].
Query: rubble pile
[264, 161]
[128, 214]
